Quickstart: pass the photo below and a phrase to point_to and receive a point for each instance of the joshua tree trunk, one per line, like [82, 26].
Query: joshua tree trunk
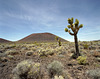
[76, 46]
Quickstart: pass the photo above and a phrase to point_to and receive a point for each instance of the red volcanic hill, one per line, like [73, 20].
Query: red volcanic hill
[41, 37]
[4, 41]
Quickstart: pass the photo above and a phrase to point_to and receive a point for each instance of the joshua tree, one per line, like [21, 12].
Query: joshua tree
[75, 28]
[58, 40]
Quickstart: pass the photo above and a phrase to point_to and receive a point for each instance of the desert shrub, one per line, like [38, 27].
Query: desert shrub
[72, 50]
[98, 59]
[92, 47]
[10, 46]
[96, 54]
[95, 73]
[85, 46]
[42, 52]
[60, 50]
[92, 51]
[34, 48]
[11, 52]
[24, 48]
[97, 65]
[26, 69]
[35, 42]
[2, 55]
[82, 60]
[10, 57]
[3, 59]
[98, 50]
[34, 72]
[55, 68]
[29, 53]
[46, 52]
[50, 52]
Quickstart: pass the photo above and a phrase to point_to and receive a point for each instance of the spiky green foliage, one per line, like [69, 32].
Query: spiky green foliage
[74, 26]
[81, 60]
[66, 30]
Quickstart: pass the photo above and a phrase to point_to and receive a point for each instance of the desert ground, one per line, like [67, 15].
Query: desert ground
[49, 60]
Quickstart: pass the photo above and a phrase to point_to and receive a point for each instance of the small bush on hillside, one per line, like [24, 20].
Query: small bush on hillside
[55, 68]
[82, 60]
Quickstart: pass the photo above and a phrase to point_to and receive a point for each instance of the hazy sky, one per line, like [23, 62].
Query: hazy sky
[19, 18]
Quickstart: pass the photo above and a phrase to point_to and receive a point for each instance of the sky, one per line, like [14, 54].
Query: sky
[20, 18]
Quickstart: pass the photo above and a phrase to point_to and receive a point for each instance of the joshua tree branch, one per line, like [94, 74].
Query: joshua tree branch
[70, 33]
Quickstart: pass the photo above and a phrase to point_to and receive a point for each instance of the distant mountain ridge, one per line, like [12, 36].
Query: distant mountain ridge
[41, 37]
[4, 41]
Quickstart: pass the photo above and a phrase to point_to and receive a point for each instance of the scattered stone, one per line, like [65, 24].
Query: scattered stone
[29, 53]
[4, 59]
[1, 51]
[98, 59]
[2, 65]
[98, 50]
[92, 47]
[69, 64]
[56, 77]
[92, 51]
[60, 77]
[80, 68]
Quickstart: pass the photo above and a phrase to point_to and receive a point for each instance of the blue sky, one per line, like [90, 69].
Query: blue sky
[20, 18]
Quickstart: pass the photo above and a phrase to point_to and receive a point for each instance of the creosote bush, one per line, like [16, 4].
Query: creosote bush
[34, 72]
[55, 68]
[95, 73]
[46, 52]
[82, 60]
[26, 69]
